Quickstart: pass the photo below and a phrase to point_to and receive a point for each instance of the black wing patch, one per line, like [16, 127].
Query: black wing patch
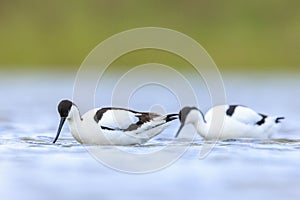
[143, 118]
[171, 117]
[231, 110]
[99, 114]
[147, 117]
[107, 128]
[263, 120]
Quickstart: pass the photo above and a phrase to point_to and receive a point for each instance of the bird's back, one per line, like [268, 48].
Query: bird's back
[235, 112]
[123, 126]
[242, 122]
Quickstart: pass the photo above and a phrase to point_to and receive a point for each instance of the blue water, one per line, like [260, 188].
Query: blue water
[31, 167]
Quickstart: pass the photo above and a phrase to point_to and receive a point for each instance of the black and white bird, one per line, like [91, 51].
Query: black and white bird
[111, 126]
[236, 122]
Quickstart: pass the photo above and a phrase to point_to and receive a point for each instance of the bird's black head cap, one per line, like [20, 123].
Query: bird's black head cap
[64, 108]
[184, 112]
[182, 117]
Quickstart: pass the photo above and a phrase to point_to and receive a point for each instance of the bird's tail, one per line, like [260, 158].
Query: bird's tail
[171, 117]
[278, 119]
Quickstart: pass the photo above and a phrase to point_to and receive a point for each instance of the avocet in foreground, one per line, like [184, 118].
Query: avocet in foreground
[111, 126]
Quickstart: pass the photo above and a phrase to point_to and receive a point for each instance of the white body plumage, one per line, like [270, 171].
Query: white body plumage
[234, 122]
[112, 126]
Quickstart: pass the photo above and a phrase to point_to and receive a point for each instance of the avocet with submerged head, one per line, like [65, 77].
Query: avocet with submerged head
[238, 122]
[110, 125]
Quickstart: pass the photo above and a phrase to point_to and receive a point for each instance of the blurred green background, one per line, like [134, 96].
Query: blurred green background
[244, 35]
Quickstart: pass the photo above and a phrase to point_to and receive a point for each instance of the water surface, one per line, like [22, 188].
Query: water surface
[31, 167]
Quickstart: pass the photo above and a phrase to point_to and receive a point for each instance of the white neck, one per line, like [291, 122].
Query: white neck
[196, 118]
[75, 121]
[74, 114]
[201, 126]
